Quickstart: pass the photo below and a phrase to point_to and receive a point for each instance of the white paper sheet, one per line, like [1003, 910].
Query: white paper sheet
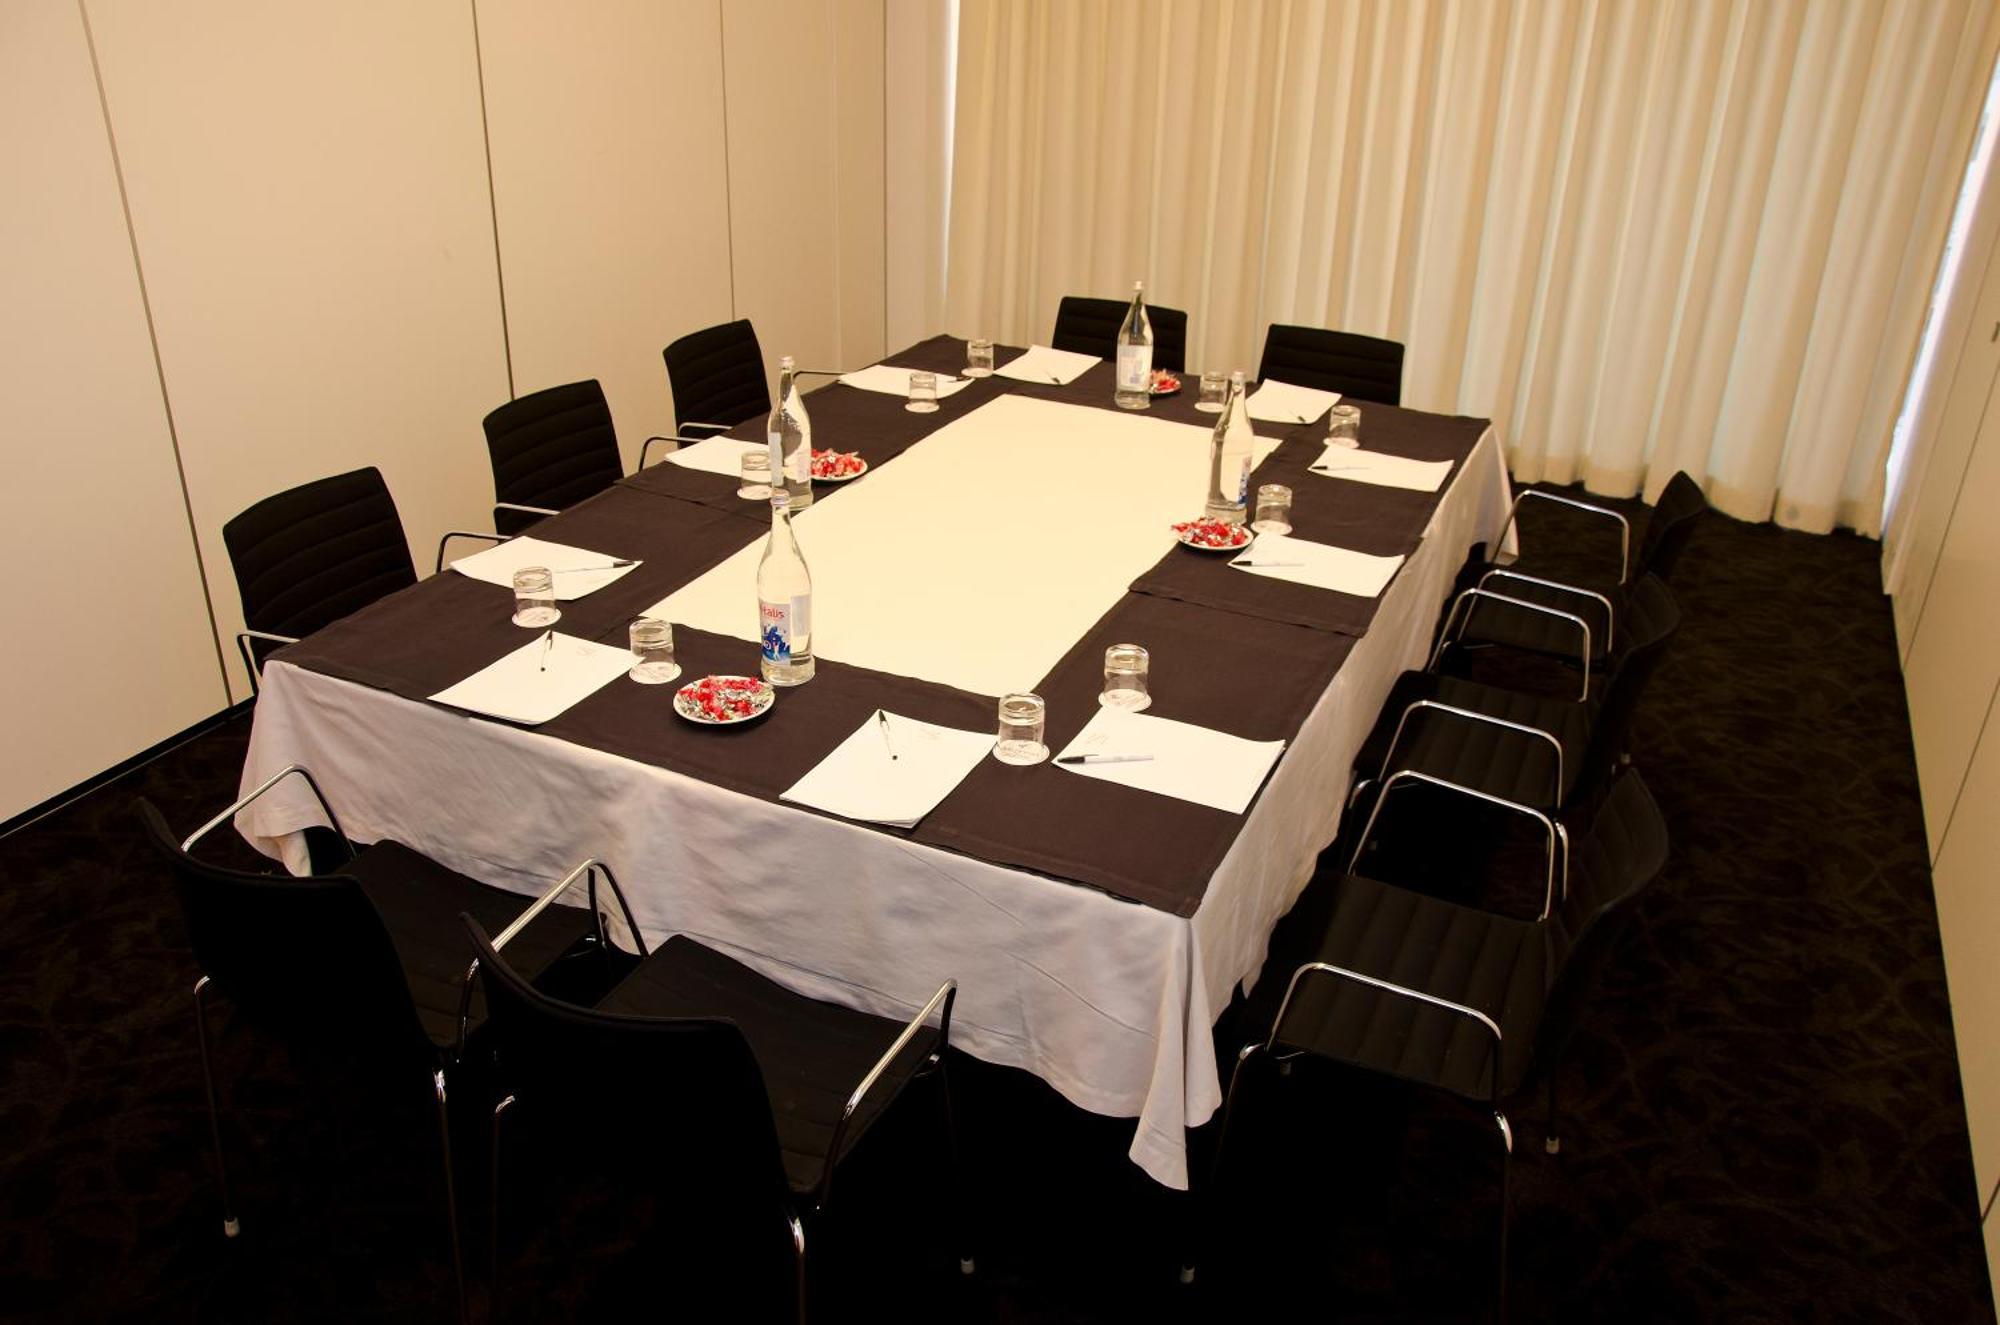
[1281, 402]
[896, 381]
[1189, 763]
[1041, 363]
[1320, 565]
[716, 455]
[1384, 471]
[578, 571]
[519, 687]
[860, 780]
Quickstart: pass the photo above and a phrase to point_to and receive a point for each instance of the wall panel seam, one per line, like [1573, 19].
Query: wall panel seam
[1944, 833]
[492, 201]
[153, 340]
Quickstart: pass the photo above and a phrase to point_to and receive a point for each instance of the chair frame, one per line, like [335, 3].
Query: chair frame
[1556, 885]
[1455, 623]
[939, 1002]
[1624, 525]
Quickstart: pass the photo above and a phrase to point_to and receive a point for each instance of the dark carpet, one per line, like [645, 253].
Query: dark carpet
[1763, 1116]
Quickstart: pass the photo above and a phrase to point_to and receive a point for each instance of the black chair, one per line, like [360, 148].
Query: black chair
[1090, 326]
[1538, 750]
[367, 964]
[313, 554]
[717, 377]
[1463, 1001]
[1567, 575]
[1364, 367]
[550, 449]
[744, 1085]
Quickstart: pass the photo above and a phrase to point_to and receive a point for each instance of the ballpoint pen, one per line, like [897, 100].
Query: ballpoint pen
[609, 565]
[882, 720]
[1104, 759]
[1267, 563]
[548, 642]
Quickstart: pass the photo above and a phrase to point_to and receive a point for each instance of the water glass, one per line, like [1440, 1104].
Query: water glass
[756, 484]
[1274, 509]
[1214, 387]
[653, 652]
[535, 597]
[1125, 678]
[1022, 721]
[1344, 425]
[923, 393]
[978, 357]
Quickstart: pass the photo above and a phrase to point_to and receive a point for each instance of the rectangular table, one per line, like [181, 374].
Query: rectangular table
[1095, 931]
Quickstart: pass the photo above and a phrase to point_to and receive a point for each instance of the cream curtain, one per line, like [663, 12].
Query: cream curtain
[1640, 237]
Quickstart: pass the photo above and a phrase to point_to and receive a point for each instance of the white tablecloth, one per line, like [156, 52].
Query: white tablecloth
[1111, 1003]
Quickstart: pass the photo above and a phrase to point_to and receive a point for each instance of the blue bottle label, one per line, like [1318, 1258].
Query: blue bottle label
[777, 631]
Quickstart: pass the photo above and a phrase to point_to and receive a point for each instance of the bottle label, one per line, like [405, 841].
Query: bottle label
[1135, 367]
[775, 621]
[1243, 483]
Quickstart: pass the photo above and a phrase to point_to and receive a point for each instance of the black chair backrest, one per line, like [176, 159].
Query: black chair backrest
[551, 449]
[304, 954]
[717, 375]
[315, 553]
[1667, 530]
[1090, 326]
[1364, 367]
[1645, 627]
[691, 1084]
[1614, 863]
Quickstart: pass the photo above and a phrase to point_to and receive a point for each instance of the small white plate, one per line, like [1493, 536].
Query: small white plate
[842, 478]
[1248, 536]
[760, 702]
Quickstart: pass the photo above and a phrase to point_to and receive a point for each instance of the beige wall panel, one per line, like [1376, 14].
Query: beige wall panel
[917, 158]
[1968, 899]
[789, 144]
[861, 137]
[611, 186]
[111, 649]
[308, 187]
[1954, 659]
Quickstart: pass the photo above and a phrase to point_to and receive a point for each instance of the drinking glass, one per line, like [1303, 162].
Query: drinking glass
[653, 652]
[1022, 719]
[978, 357]
[923, 393]
[756, 484]
[535, 597]
[1125, 678]
[1274, 509]
[1214, 386]
[1344, 425]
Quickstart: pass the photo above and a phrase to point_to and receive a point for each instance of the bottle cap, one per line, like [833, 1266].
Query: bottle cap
[785, 362]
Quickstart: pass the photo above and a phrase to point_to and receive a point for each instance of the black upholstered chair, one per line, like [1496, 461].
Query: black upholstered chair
[313, 554]
[1476, 1005]
[717, 377]
[1364, 367]
[740, 1085]
[550, 449]
[1534, 749]
[1090, 326]
[366, 966]
[1568, 575]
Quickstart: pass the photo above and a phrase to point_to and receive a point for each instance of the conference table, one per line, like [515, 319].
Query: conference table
[1002, 543]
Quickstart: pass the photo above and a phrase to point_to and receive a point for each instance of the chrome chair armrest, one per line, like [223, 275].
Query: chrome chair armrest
[1472, 715]
[819, 372]
[268, 783]
[1446, 637]
[463, 533]
[1556, 882]
[525, 510]
[646, 447]
[1610, 613]
[243, 638]
[1624, 525]
[1387, 987]
[940, 1002]
[713, 427]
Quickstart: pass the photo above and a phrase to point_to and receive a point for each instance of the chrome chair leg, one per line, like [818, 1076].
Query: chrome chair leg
[451, 1197]
[956, 1178]
[799, 1260]
[493, 1212]
[230, 1226]
[1552, 1142]
[1506, 1177]
[1206, 1200]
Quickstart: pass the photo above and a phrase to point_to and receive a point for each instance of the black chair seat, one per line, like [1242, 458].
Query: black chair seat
[1490, 622]
[420, 901]
[551, 449]
[717, 375]
[1492, 963]
[1363, 367]
[1090, 326]
[811, 1053]
[1496, 760]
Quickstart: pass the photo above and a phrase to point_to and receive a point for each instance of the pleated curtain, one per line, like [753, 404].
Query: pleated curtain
[1639, 235]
